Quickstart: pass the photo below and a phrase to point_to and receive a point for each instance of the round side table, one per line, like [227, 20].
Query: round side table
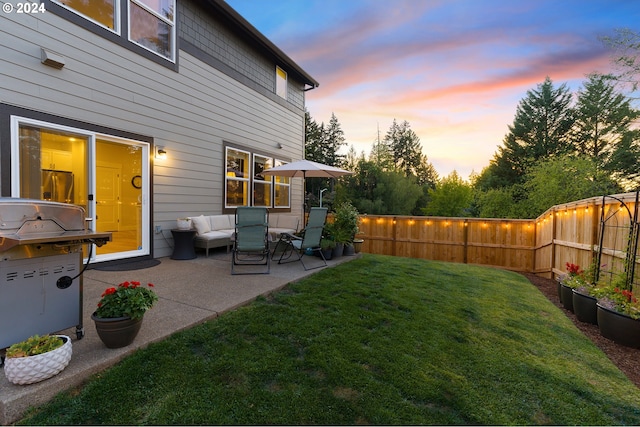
[183, 247]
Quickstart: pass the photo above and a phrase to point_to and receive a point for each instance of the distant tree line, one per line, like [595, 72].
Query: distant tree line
[560, 147]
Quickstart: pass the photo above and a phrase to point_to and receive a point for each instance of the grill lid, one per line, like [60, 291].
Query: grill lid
[27, 222]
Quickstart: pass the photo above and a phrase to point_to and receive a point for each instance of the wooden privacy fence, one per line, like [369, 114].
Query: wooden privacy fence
[564, 233]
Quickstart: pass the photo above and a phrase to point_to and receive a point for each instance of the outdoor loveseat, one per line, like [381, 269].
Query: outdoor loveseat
[214, 231]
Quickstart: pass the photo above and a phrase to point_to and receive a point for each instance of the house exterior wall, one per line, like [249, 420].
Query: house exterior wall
[214, 37]
[193, 113]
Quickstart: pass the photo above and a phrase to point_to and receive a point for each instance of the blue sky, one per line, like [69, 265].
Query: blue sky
[454, 69]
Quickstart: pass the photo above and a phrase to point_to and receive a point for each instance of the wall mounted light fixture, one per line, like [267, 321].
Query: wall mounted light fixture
[161, 153]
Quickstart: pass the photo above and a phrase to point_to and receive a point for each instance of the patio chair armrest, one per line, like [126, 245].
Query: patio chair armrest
[289, 237]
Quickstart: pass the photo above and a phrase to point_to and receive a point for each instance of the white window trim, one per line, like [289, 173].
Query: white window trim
[235, 178]
[282, 185]
[172, 24]
[16, 121]
[251, 181]
[116, 25]
[267, 182]
[284, 81]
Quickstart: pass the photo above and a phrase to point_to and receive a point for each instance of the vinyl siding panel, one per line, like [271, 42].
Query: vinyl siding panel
[191, 113]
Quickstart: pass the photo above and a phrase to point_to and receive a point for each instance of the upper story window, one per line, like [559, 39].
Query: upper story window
[281, 83]
[102, 12]
[151, 24]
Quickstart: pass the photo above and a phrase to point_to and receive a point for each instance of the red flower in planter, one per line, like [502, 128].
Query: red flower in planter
[573, 269]
[129, 299]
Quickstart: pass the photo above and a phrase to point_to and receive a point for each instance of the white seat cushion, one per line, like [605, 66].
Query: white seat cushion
[217, 234]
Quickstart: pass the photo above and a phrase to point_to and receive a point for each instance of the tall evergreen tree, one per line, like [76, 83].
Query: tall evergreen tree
[603, 120]
[405, 148]
[381, 154]
[540, 130]
[313, 138]
[334, 140]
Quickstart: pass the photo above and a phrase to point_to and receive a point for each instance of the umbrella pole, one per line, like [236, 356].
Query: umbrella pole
[304, 195]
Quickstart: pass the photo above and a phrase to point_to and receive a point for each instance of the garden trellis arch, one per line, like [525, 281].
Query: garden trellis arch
[613, 228]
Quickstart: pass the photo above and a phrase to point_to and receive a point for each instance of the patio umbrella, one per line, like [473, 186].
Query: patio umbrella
[306, 169]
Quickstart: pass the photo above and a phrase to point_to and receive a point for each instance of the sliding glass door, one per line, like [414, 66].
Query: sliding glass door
[106, 175]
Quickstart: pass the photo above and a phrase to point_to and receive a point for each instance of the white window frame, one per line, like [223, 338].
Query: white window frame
[251, 181]
[118, 30]
[268, 181]
[116, 12]
[246, 178]
[287, 185]
[171, 23]
[281, 83]
[17, 121]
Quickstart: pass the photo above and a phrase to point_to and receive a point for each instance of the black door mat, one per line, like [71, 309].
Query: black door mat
[128, 266]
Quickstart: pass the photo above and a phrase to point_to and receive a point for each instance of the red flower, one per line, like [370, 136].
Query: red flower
[573, 269]
[109, 291]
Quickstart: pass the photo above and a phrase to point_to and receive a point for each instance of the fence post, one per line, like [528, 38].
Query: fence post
[395, 236]
[553, 240]
[595, 227]
[466, 241]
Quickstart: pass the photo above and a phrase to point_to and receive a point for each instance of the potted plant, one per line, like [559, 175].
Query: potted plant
[37, 358]
[581, 283]
[327, 246]
[184, 223]
[572, 279]
[357, 245]
[120, 311]
[618, 312]
[345, 225]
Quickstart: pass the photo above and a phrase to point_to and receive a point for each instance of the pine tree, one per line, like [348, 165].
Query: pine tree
[404, 146]
[332, 143]
[312, 139]
[603, 120]
[540, 130]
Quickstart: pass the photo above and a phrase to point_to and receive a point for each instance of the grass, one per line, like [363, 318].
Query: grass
[378, 340]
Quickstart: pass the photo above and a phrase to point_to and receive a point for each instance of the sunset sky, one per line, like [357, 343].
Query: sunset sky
[454, 69]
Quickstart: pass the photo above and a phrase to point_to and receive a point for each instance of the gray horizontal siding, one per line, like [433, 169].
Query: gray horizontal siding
[192, 113]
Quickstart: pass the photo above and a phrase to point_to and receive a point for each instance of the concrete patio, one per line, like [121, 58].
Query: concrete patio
[190, 292]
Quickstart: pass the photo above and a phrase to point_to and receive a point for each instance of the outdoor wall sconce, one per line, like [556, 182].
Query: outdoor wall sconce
[161, 153]
[279, 145]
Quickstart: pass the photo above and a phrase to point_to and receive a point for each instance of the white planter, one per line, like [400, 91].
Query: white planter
[32, 369]
[184, 224]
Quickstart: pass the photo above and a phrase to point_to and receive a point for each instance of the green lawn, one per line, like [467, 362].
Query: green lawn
[378, 340]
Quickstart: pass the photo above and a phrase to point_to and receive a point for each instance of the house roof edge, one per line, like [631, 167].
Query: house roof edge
[262, 41]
